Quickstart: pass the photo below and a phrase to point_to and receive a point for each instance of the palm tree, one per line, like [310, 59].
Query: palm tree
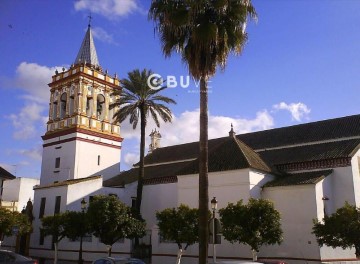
[204, 32]
[137, 101]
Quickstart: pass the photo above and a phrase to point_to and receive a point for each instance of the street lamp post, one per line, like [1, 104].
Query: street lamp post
[214, 207]
[83, 207]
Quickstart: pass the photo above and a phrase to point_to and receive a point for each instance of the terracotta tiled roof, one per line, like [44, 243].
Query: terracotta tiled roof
[299, 178]
[232, 154]
[151, 172]
[332, 129]
[67, 182]
[4, 174]
[337, 128]
[322, 151]
[179, 152]
[319, 143]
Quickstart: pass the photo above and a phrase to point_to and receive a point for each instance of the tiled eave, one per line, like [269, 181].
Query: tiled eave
[316, 164]
[67, 182]
[161, 180]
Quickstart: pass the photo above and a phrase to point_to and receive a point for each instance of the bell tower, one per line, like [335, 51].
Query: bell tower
[82, 139]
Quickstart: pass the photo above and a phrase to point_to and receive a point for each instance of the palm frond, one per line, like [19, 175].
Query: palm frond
[204, 32]
[136, 94]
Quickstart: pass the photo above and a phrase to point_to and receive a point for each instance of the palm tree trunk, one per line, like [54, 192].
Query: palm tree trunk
[56, 252]
[203, 174]
[141, 168]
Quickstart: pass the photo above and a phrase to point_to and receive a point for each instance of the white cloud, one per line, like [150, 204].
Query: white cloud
[28, 121]
[100, 34]
[33, 153]
[185, 128]
[110, 9]
[131, 158]
[298, 110]
[33, 79]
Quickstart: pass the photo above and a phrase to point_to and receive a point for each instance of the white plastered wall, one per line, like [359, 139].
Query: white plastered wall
[79, 159]
[297, 206]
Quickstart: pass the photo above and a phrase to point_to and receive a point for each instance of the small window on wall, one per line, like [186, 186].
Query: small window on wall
[42, 207]
[98, 159]
[57, 163]
[57, 204]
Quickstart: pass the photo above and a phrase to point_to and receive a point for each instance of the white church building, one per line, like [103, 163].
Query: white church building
[307, 170]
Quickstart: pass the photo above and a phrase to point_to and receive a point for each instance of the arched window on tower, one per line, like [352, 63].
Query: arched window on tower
[63, 99]
[100, 107]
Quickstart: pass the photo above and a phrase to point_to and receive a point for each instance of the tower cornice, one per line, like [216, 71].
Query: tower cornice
[68, 131]
[86, 72]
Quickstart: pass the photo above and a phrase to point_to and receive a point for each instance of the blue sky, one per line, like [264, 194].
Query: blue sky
[301, 64]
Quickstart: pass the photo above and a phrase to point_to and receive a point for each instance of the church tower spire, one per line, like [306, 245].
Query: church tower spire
[82, 138]
[87, 53]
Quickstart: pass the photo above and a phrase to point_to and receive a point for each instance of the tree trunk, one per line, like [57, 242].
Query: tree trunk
[56, 253]
[203, 174]
[179, 255]
[254, 253]
[109, 250]
[357, 251]
[141, 167]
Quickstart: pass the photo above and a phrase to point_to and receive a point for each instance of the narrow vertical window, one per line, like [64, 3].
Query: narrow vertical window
[57, 205]
[42, 207]
[57, 163]
[98, 159]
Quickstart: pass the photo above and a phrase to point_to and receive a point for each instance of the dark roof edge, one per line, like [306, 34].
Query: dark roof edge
[67, 182]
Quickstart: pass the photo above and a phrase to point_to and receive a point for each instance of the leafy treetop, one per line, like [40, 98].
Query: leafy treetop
[255, 224]
[112, 220]
[179, 224]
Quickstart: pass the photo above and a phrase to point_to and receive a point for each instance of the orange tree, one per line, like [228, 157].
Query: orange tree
[111, 220]
[256, 223]
[180, 225]
[341, 229]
